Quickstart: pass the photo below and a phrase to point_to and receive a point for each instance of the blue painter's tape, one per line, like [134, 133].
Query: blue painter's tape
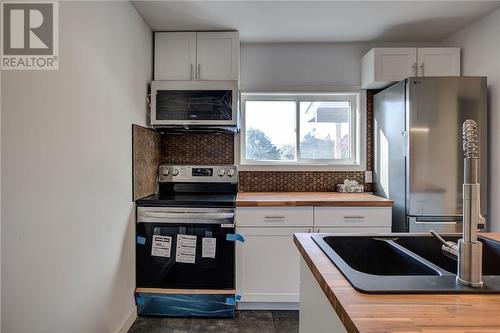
[235, 237]
[230, 301]
[141, 240]
[139, 300]
[238, 298]
[240, 238]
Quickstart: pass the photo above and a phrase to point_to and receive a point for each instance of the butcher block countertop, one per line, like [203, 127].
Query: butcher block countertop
[423, 313]
[332, 199]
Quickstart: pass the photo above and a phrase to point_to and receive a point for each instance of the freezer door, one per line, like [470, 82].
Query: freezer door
[436, 109]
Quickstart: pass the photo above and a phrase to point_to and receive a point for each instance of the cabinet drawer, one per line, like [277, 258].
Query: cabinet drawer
[274, 216]
[352, 216]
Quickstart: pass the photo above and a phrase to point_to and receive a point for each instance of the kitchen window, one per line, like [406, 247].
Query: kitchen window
[300, 130]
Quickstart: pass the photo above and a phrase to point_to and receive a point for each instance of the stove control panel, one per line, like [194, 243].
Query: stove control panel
[198, 173]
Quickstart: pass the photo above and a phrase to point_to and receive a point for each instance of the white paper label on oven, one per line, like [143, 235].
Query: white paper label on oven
[186, 249]
[161, 246]
[208, 247]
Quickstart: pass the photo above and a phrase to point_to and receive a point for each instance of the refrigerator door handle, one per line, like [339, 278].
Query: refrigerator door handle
[440, 224]
[404, 134]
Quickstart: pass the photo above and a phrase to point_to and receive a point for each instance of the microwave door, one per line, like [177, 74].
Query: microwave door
[174, 103]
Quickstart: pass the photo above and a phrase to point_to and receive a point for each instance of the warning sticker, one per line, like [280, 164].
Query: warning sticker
[208, 247]
[186, 249]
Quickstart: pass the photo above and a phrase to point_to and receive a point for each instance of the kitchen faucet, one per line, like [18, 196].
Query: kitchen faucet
[468, 252]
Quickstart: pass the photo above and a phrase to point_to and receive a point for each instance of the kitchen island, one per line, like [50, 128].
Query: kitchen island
[328, 303]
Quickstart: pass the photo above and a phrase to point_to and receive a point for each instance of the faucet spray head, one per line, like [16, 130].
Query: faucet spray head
[470, 139]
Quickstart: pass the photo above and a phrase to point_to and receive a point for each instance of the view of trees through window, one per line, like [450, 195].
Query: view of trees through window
[270, 130]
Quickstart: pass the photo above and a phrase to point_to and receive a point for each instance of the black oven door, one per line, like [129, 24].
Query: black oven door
[185, 250]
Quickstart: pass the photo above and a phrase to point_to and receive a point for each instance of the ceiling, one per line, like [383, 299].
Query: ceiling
[318, 21]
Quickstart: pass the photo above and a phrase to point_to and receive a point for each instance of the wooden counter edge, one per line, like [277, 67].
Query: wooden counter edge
[297, 203]
[323, 199]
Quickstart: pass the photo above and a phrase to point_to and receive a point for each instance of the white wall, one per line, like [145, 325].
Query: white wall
[300, 66]
[481, 56]
[68, 220]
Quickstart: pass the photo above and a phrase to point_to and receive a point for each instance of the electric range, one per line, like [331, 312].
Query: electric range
[185, 253]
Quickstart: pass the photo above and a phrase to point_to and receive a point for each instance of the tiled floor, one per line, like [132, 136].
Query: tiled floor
[244, 322]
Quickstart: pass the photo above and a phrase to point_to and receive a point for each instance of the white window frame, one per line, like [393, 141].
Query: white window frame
[357, 162]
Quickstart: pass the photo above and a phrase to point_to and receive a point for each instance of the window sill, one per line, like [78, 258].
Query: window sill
[298, 167]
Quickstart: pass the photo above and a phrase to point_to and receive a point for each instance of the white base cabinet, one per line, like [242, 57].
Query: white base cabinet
[353, 219]
[268, 263]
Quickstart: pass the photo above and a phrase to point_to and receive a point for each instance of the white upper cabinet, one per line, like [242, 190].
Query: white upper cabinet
[439, 61]
[383, 66]
[218, 55]
[175, 55]
[197, 55]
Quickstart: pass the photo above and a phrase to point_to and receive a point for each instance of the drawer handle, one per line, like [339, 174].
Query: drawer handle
[274, 218]
[354, 217]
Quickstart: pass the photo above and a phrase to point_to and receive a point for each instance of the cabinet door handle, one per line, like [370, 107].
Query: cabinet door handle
[422, 69]
[199, 70]
[191, 73]
[415, 68]
[275, 218]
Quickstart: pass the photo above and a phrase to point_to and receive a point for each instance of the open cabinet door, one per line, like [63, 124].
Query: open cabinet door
[145, 161]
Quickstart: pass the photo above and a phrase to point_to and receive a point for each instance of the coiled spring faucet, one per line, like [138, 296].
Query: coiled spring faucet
[469, 250]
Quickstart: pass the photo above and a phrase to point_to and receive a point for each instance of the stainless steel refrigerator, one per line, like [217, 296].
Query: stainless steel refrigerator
[418, 149]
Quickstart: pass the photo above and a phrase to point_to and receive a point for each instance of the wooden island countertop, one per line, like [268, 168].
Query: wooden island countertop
[332, 199]
[409, 313]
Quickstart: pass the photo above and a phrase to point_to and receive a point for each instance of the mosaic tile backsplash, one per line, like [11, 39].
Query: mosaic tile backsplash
[294, 181]
[218, 148]
[197, 148]
[145, 159]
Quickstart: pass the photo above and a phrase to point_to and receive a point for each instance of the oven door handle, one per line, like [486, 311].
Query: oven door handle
[176, 217]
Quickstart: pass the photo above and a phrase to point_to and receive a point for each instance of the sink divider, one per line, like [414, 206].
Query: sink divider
[415, 256]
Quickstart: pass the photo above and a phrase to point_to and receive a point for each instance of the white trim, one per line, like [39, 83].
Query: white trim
[128, 322]
[358, 141]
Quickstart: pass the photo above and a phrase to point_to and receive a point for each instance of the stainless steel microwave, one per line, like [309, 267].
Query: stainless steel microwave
[194, 103]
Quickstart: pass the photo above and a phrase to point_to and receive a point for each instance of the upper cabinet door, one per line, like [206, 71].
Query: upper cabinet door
[439, 61]
[383, 66]
[175, 55]
[218, 56]
[395, 64]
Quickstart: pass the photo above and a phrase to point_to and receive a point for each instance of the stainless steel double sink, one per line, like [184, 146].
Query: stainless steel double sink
[405, 263]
